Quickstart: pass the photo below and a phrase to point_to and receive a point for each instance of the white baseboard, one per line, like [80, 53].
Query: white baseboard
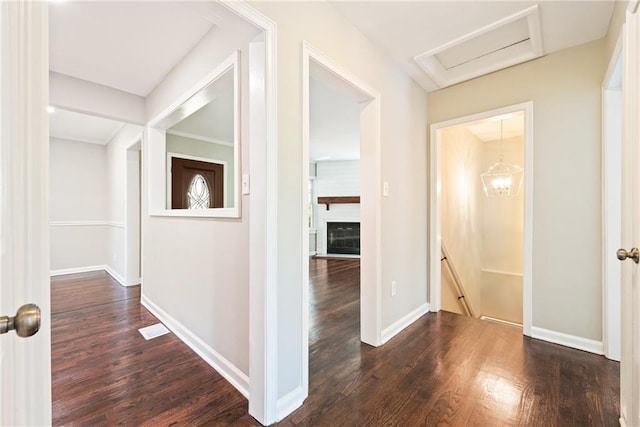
[87, 269]
[229, 371]
[398, 326]
[115, 275]
[567, 340]
[289, 403]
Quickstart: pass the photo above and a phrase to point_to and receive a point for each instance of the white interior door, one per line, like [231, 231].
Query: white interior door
[630, 360]
[25, 363]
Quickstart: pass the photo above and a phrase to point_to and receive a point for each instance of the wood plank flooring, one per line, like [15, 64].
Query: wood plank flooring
[445, 369]
[105, 373]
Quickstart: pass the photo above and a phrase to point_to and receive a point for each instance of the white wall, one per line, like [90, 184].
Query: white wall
[197, 269]
[117, 173]
[404, 167]
[566, 91]
[91, 98]
[78, 204]
[335, 178]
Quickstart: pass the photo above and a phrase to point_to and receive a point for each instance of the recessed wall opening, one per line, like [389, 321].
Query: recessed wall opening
[482, 218]
[481, 252]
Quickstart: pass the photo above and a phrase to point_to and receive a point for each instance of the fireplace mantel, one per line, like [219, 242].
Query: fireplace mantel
[332, 200]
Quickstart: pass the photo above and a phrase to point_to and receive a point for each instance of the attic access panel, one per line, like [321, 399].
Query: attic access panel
[509, 41]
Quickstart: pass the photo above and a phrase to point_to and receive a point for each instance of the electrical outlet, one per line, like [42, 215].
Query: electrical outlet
[393, 288]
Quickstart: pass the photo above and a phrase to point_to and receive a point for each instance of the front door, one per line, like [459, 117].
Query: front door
[25, 363]
[630, 360]
[196, 184]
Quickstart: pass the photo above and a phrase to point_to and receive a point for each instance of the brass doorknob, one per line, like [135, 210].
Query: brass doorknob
[633, 254]
[26, 321]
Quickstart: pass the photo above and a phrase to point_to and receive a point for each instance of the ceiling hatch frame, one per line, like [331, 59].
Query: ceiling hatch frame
[509, 41]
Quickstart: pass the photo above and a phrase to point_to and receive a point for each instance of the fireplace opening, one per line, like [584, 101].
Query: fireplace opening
[343, 238]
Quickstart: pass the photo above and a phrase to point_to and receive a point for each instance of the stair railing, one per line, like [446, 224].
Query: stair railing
[457, 283]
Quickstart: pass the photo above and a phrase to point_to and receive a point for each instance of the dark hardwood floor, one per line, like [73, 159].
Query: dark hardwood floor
[105, 373]
[445, 369]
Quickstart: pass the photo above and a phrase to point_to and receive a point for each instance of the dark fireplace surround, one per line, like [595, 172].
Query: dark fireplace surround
[343, 238]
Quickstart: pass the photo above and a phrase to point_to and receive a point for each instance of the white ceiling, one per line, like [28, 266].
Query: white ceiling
[407, 29]
[131, 46]
[128, 45]
[334, 123]
[213, 122]
[80, 127]
[489, 129]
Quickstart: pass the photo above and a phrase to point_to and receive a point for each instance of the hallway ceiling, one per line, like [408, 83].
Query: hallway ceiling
[409, 29]
[129, 45]
[334, 123]
[80, 127]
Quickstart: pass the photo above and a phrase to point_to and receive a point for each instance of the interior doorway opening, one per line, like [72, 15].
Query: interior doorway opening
[348, 184]
[480, 217]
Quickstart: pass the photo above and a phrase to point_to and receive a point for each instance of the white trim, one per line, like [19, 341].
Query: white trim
[370, 213]
[199, 137]
[112, 272]
[502, 321]
[611, 184]
[171, 155]
[505, 273]
[86, 224]
[156, 134]
[397, 327]
[91, 268]
[443, 77]
[567, 340]
[290, 402]
[228, 370]
[623, 423]
[435, 220]
[87, 269]
[25, 365]
[263, 254]
[130, 147]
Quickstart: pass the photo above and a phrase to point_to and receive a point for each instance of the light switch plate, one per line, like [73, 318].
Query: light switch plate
[245, 183]
[385, 189]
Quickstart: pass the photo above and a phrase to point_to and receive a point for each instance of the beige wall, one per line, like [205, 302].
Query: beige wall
[461, 210]
[503, 217]
[484, 235]
[565, 89]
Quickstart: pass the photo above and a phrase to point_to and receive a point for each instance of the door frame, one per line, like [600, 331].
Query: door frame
[435, 237]
[630, 337]
[25, 370]
[611, 203]
[129, 228]
[370, 201]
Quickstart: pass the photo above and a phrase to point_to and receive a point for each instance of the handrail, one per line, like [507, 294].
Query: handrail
[456, 281]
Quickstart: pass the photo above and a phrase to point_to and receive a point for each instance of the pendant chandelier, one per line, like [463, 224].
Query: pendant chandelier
[502, 179]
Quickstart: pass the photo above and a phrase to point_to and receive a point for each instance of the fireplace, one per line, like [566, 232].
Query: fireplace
[343, 238]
